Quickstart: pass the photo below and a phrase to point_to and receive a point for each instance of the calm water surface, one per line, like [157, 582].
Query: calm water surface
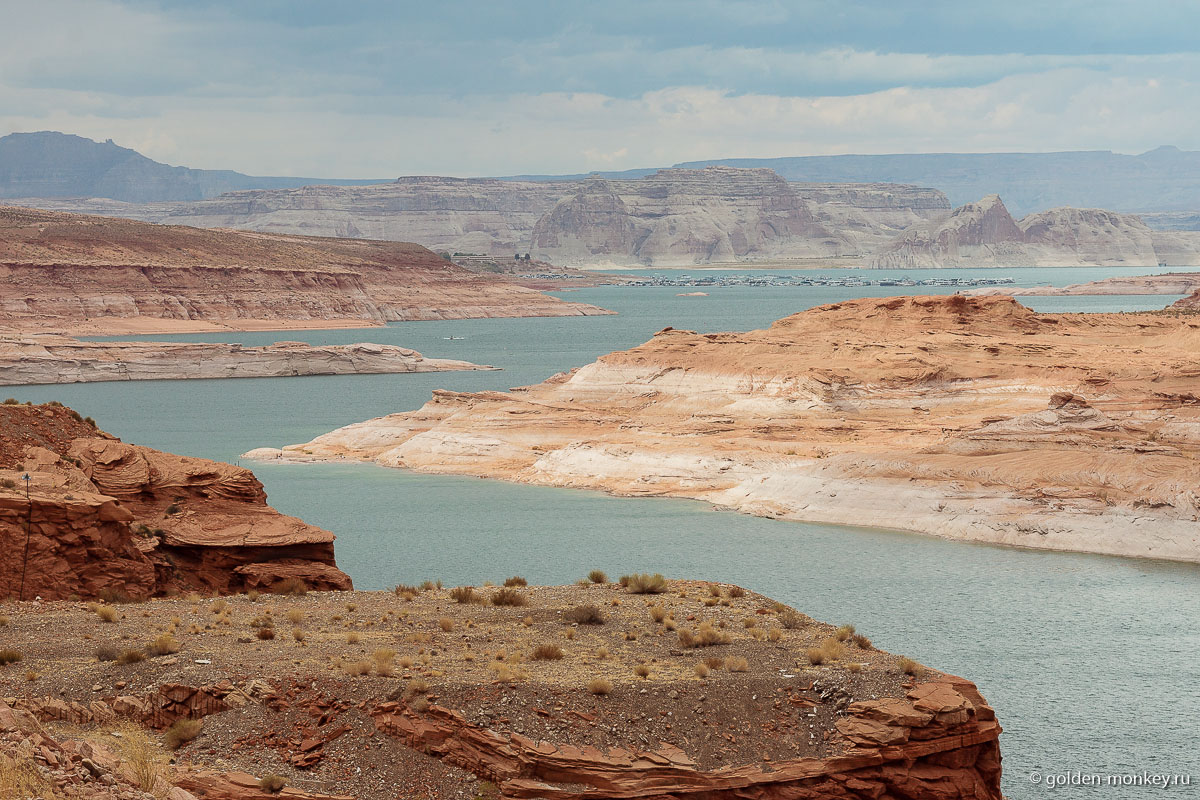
[1091, 662]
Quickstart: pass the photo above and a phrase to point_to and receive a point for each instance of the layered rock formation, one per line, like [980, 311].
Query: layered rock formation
[673, 217]
[75, 272]
[1167, 283]
[969, 418]
[1189, 303]
[984, 234]
[59, 359]
[99, 517]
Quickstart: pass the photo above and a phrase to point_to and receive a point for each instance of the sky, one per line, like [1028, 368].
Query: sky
[378, 88]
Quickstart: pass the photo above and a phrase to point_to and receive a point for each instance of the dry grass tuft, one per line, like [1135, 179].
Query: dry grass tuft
[714, 662]
[131, 656]
[105, 613]
[910, 667]
[466, 595]
[547, 652]
[182, 732]
[265, 634]
[509, 597]
[291, 586]
[642, 671]
[383, 661]
[295, 616]
[446, 624]
[736, 591]
[10, 656]
[643, 583]
[704, 636]
[599, 686]
[598, 576]
[843, 633]
[584, 615]
[791, 619]
[107, 652]
[516, 580]
[736, 664]
[164, 645]
[658, 613]
[272, 784]
[601, 653]
[862, 642]
[702, 670]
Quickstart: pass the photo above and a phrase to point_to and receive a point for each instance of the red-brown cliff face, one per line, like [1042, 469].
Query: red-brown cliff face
[101, 517]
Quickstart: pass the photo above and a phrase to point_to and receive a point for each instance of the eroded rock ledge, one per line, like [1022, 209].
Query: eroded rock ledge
[106, 518]
[60, 359]
[968, 418]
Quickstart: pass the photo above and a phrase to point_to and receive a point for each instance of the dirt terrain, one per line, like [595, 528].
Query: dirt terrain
[595, 690]
[969, 418]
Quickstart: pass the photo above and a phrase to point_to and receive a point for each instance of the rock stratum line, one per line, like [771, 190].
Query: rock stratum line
[59, 359]
[973, 419]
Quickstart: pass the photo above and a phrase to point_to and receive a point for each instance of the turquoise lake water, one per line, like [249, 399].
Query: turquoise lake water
[1091, 662]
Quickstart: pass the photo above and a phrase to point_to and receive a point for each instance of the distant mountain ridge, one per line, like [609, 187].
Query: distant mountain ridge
[1164, 179]
[52, 164]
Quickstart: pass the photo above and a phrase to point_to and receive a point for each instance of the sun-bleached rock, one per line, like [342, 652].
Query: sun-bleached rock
[984, 234]
[969, 418]
[59, 359]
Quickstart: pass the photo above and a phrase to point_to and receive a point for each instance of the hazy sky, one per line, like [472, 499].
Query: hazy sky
[366, 88]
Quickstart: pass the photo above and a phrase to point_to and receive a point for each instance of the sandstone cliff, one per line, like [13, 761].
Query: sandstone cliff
[969, 418]
[75, 272]
[102, 517]
[59, 359]
[984, 234]
[673, 217]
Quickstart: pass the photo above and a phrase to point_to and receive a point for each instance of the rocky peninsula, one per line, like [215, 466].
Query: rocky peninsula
[970, 418]
[674, 689]
[84, 514]
[73, 273]
[59, 359]
[1167, 283]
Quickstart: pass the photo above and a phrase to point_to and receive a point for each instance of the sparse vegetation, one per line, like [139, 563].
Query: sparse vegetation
[164, 645]
[598, 576]
[131, 656]
[509, 597]
[273, 784]
[265, 633]
[584, 615]
[736, 664]
[10, 656]
[642, 583]
[600, 686]
[704, 636]
[862, 642]
[181, 732]
[107, 652]
[702, 670]
[736, 591]
[105, 613]
[516, 580]
[642, 671]
[843, 633]
[547, 652]
[658, 613]
[791, 619]
[295, 616]
[446, 624]
[910, 667]
[465, 595]
[292, 586]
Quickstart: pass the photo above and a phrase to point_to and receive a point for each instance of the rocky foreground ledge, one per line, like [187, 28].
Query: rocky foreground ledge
[636, 689]
[969, 418]
[103, 518]
[60, 359]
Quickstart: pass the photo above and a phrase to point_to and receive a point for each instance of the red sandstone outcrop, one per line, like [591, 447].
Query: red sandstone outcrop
[984, 234]
[102, 517]
[931, 414]
[1190, 302]
[940, 742]
[73, 272]
[41, 359]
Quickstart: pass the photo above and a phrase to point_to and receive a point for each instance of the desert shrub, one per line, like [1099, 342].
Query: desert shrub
[714, 590]
[599, 686]
[862, 642]
[704, 636]
[642, 583]
[419, 705]
[106, 613]
[815, 656]
[383, 661]
[854, 666]
[299, 635]
[843, 633]
[509, 597]
[584, 615]
[406, 591]
[598, 576]
[775, 634]
[713, 662]
[446, 624]
[295, 616]
[181, 732]
[750, 622]
[253, 595]
[416, 687]
[266, 634]
[465, 595]
[173, 508]
[736, 664]
[10, 656]
[547, 652]
[737, 591]
[357, 668]
[272, 784]
[12, 401]
[107, 652]
[3, 621]
[427, 586]
[131, 656]
[353, 638]
[624, 580]
[516, 580]
[90, 421]
[791, 619]
[642, 671]
[702, 670]
[601, 652]
[658, 613]
[291, 586]
[569, 633]
[910, 667]
[164, 645]
[833, 649]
